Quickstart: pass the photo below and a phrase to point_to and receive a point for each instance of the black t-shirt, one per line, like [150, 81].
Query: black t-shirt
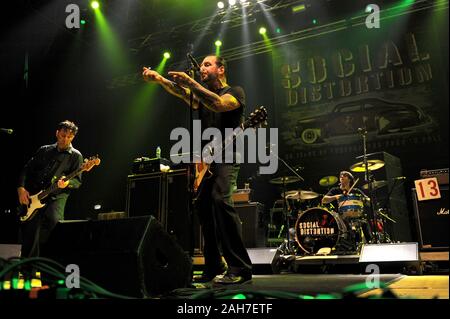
[221, 120]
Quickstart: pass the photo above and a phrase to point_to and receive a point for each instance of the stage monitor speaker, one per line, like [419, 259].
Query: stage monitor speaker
[253, 226]
[375, 253]
[264, 260]
[145, 195]
[133, 256]
[431, 220]
[10, 251]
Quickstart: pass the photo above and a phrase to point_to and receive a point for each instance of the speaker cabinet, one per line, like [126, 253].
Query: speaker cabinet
[431, 220]
[133, 256]
[164, 196]
[144, 195]
[253, 226]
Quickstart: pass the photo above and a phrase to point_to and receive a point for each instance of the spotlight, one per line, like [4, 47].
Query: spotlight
[262, 30]
[166, 55]
[220, 5]
[231, 2]
[95, 5]
[218, 43]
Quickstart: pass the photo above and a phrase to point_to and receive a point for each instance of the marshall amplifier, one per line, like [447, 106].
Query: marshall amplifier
[431, 219]
[440, 174]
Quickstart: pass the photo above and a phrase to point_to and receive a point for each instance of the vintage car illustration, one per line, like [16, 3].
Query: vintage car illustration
[377, 116]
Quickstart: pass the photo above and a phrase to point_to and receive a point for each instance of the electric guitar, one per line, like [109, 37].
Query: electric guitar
[202, 169]
[26, 212]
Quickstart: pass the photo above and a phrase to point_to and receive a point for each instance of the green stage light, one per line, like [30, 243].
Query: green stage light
[166, 55]
[278, 30]
[218, 43]
[262, 30]
[314, 21]
[95, 5]
[83, 21]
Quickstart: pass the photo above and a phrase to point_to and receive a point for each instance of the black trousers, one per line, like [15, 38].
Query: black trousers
[36, 231]
[221, 225]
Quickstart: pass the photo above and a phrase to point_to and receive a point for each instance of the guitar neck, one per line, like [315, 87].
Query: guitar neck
[54, 186]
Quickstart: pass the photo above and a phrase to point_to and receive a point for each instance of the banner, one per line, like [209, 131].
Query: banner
[388, 82]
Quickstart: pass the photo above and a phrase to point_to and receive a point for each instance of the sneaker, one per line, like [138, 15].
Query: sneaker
[233, 279]
[207, 276]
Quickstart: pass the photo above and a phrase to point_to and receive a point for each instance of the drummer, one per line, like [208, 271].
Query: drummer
[346, 181]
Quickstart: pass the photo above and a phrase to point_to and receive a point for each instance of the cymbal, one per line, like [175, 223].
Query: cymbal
[285, 180]
[291, 195]
[372, 165]
[308, 195]
[375, 184]
[328, 181]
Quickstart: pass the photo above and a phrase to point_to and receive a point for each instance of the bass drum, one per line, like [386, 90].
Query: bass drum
[318, 228]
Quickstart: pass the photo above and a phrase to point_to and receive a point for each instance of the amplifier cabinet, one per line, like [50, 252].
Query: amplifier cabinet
[431, 219]
[253, 226]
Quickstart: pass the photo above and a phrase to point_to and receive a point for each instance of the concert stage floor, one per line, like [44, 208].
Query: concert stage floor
[326, 286]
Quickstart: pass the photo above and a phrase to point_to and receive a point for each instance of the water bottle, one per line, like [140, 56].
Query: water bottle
[158, 152]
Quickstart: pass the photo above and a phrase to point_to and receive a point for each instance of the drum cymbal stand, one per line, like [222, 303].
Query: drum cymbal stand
[368, 179]
[286, 248]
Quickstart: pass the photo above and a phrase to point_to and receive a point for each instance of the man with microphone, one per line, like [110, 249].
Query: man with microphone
[219, 106]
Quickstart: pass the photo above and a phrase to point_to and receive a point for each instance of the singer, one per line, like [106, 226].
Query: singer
[220, 106]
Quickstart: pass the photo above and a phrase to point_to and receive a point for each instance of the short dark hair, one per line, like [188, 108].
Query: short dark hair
[68, 125]
[349, 175]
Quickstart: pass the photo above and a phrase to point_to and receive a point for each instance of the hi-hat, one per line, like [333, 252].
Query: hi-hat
[372, 165]
[375, 184]
[328, 181]
[285, 180]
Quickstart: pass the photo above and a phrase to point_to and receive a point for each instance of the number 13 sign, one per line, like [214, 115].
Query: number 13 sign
[427, 188]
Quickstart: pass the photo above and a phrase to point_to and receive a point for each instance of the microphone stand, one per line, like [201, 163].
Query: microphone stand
[191, 166]
[288, 249]
[368, 181]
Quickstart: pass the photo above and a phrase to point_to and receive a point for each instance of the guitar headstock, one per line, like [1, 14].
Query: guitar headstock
[90, 162]
[258, 118]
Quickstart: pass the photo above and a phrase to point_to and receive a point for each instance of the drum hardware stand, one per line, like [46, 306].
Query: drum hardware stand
[368, 180]
[286, 249]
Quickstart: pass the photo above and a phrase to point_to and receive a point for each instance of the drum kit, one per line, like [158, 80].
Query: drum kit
[342, 229]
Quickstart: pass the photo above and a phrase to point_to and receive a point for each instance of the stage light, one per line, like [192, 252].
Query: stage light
[298, 8]
[231, 2]
[314, 21]
[95, 5]
[166, 55]
[82, 21]
[262, 30]
[220, 5]
[218, 43]
[278, 30]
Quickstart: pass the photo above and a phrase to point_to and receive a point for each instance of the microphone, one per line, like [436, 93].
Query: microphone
[194, 63]
[6, 130]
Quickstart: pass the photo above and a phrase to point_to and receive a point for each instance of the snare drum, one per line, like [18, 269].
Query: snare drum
[318, 228]
[351, 206]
